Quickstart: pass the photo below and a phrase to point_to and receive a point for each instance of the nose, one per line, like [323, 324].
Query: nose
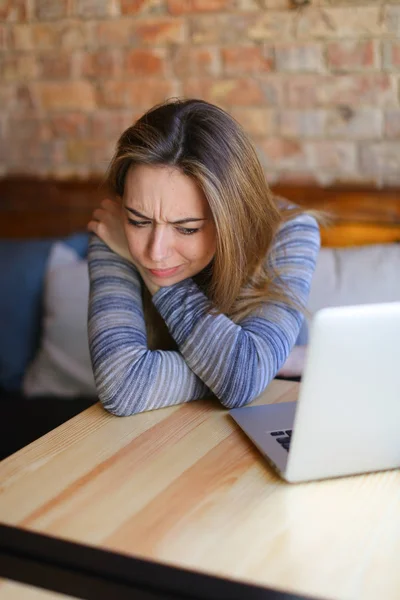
[159, 246]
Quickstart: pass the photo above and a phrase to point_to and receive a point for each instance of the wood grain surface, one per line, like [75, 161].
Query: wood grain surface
[184, 486]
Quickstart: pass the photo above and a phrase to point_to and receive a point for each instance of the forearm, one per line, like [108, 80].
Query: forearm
[129, 377]
[237, 361]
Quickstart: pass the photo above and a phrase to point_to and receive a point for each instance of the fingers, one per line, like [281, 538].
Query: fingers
[99, 214]
[93, 226]
[104, 216]
[110, 205]
[107, 207]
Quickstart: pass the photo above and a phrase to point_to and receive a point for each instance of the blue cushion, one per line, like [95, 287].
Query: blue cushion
[22, 271]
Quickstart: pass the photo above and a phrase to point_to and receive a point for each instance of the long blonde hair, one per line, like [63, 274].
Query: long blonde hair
[209, 146]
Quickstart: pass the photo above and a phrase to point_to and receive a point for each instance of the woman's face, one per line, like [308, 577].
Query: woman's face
[168, 224]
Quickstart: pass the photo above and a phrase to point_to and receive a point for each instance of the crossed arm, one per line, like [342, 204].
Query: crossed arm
[235, 362]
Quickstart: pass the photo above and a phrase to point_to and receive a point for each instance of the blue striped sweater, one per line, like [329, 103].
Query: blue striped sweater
[235, 362]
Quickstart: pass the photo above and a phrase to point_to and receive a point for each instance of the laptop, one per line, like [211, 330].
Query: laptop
[347, 416]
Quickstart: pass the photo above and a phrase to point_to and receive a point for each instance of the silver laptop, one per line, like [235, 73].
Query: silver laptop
[347, 417]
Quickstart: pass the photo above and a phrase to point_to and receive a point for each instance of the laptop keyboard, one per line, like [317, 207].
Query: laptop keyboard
[283, 437]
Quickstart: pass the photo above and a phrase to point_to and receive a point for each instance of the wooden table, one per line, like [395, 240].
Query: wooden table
[183, 485]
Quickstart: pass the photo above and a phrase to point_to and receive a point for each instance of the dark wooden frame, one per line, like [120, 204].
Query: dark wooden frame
[96, 574]
[31, 207]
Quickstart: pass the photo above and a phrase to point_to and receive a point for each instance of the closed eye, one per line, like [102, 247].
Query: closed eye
[182, 230]
[138, 223]
[187, 231]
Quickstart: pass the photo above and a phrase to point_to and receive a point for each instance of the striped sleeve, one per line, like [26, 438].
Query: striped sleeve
[129, 377]
[238, 361]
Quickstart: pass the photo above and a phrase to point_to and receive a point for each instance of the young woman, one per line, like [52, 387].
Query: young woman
[198, 275]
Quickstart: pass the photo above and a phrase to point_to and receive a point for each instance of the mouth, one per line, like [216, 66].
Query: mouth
[164, 273]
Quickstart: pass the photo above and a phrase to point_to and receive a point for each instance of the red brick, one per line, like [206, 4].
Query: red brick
[29, 138]
[276, 4]
[112, 94]
[13, 10]
[68, 125]
[391, 54]
[109, 124]
[72, 35]
[188, 61]
[392, 19]
[45, 36]
[54, 66]
[294, 177]
[392, 123]
[18, 67]
[272, 25]
[282, 154]
[71, 95]
[7, 95]
[256, 121]
[339, 22]
[273, 89]
[335, 156]
[247, 59]
[78, 151]
[381, 160]
[47, 10]
[121, 94]
[354, 123]
[92, 8]
[300, 91]
[352, 54]
[21, 37]
[158, 31]
[112, 33]
[149, 92]
[133, 7]
[302, 123]
[225, 92]
[96, 153]
[206, 30]
[101, 153]
[100, 63]
[3, 37]
[181, 7]
[373, 89]
[145, 62]
[301, 57]
[227, 28]
[248, 5]
[25, 99]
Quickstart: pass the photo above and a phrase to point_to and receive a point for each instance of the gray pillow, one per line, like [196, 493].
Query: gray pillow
[361, 275]
[62, 364]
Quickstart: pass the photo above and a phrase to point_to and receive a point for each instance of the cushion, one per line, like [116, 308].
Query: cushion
[357, 275]
[62, 366]
[22, 270]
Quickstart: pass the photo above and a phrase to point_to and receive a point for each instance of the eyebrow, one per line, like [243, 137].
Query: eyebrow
[180, 222]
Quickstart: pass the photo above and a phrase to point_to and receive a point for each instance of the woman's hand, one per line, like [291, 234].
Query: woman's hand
[106, 222]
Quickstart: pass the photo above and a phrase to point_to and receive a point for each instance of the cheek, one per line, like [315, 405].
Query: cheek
[201, 248]
[135, 243]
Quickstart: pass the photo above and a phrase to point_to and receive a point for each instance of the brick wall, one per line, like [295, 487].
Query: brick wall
[317, 87]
